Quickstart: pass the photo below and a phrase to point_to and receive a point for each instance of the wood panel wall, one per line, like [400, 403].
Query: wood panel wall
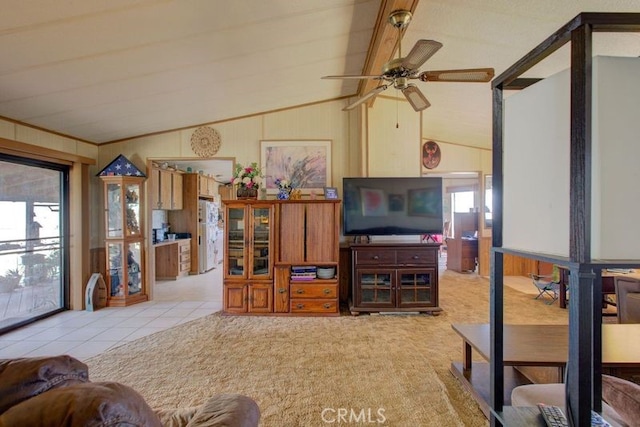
[513, 265]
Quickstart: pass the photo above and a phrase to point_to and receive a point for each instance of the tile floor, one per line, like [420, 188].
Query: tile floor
[84, 334]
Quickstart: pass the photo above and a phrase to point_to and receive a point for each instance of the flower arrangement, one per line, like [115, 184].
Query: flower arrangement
[283, 184]
[247, 177]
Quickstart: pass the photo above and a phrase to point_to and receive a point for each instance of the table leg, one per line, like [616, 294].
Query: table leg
[562, 298]
[466, 356]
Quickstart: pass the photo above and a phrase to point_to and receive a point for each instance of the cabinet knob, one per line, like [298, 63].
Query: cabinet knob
[326, 305]
[299, 306]
[375, 257]
[416, 257]
[300, 291]
[282, 290]
[327, 291]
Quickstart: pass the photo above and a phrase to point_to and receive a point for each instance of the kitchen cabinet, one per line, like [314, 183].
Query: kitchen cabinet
[165, 189]
[124, 240]
[173, 259]
[187, 219]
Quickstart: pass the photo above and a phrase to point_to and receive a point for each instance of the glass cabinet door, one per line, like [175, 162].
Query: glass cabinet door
[116, 272]
[113, 208]
[132, 197]
[261, 236]
[134, 273]
[416, 287]
[236, 241]
[375, 288]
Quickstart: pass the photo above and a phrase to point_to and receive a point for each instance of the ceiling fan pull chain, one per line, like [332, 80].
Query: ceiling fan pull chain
[397, 112]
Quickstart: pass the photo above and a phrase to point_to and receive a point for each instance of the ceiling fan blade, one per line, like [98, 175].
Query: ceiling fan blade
[352, 77]
[422, 50]
[365, 97]
[469, 75]
[416, 98]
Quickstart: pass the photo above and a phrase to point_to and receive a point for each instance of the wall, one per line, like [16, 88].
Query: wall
[536, 163]
[41, 138]
[615, 230]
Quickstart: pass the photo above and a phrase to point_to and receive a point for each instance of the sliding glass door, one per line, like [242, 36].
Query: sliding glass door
[33, 249]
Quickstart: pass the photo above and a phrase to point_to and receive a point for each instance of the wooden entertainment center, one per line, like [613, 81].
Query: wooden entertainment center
[394, 278]
[270, 245]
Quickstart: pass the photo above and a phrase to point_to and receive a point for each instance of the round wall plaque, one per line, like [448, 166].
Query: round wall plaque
[205, 141]
[430, 154]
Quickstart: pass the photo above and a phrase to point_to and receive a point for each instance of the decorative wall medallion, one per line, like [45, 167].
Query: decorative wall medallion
[430, 154]
[205, 141]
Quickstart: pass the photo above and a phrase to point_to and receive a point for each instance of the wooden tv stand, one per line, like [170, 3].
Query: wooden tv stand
[394, 278]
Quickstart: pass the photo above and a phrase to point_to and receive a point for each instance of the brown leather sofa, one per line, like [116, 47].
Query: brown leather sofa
[48, 391]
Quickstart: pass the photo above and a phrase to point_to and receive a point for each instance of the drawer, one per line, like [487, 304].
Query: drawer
[418, 257]
[374, 257]
[185, 257]
[185, 247]
[306, 290]
[313, 306]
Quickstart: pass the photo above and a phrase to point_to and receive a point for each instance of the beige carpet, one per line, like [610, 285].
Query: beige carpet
[394, 367]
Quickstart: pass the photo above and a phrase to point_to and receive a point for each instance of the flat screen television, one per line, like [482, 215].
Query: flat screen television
[392, 206]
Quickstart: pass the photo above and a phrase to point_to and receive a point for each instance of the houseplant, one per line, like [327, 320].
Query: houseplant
[248, 180]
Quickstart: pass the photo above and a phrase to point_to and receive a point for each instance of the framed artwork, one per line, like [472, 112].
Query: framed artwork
[423, 203]
[330, 193]
[306, 164]
[431, 154]
[396, 202]
[374, 202]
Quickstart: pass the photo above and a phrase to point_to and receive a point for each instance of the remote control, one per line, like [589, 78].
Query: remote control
[553, 416]
[597, 420]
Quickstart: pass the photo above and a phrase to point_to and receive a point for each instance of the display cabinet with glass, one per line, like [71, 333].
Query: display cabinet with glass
[124, 240]
[248, 264]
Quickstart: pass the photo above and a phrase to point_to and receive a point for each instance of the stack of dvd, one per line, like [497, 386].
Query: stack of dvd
[303, 272]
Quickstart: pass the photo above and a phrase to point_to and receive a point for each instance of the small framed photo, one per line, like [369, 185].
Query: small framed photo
[330, 193]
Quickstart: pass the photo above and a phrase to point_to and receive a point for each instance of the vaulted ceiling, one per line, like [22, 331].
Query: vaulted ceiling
[105, 71]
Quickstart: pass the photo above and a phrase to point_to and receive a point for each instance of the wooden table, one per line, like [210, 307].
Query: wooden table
[608, 286]
[538, 345]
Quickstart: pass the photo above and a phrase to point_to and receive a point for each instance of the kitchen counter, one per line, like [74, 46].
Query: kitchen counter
[170, 242]
[173, 258]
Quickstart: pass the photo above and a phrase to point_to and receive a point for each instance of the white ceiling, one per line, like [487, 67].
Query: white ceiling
[104, 71]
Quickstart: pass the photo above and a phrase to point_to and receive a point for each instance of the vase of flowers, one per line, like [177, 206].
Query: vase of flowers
[248, 180]
[284, 188]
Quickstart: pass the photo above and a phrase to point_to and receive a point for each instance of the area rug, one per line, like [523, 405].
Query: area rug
[369, 369]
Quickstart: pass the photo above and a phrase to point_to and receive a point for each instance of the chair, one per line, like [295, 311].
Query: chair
[627, 299]
[548, 286]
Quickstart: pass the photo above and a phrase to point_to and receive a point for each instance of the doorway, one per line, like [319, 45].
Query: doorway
[33, 241]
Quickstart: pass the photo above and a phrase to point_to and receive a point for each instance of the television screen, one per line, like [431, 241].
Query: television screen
[392, 206]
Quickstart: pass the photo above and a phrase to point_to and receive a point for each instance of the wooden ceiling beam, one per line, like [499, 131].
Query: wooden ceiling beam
[384, 43]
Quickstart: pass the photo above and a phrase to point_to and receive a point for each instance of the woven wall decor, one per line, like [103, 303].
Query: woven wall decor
[205, 141]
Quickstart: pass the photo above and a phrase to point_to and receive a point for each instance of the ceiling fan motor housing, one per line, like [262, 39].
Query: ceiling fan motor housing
[400, 18]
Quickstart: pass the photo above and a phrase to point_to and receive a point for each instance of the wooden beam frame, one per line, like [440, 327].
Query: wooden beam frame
[384, 43]
[583, 384]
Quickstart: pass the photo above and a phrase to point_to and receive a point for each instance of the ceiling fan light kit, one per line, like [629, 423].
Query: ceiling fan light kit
[399, 71]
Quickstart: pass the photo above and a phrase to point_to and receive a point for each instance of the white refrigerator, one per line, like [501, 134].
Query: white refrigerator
[208, 215]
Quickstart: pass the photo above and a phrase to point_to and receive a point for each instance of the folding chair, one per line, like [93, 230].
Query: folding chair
[548, 286]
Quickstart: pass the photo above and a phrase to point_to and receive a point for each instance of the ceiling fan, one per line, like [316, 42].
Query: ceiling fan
[398, 72]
